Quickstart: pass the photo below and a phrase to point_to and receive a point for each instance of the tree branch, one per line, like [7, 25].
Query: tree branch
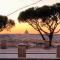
[57, 31]
[37, 28]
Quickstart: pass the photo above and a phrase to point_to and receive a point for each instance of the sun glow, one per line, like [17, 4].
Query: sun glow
[20, 28]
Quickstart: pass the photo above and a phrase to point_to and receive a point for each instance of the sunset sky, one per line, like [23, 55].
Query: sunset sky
[9, 6]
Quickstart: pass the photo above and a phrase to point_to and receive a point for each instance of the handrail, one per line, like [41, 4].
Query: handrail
[28, 53]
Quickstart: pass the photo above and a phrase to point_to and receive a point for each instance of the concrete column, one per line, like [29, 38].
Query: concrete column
[58, 51]
[22, 50]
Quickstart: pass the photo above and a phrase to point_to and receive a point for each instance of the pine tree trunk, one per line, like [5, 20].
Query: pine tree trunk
[50, 39]
[50, 43]
[42, 36]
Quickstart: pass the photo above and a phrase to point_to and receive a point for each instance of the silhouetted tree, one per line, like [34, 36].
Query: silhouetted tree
[44, 17]
[52, 21]
[10, 24]
[5, 23]
[31, 17]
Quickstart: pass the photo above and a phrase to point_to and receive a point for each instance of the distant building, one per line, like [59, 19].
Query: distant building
[26, 32]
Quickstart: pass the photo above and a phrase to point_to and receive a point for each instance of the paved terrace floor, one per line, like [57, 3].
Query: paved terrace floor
[35, 53]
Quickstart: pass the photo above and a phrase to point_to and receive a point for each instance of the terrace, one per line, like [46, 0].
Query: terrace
[32, 53]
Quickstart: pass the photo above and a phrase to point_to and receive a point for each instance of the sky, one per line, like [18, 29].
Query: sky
[9, 6]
